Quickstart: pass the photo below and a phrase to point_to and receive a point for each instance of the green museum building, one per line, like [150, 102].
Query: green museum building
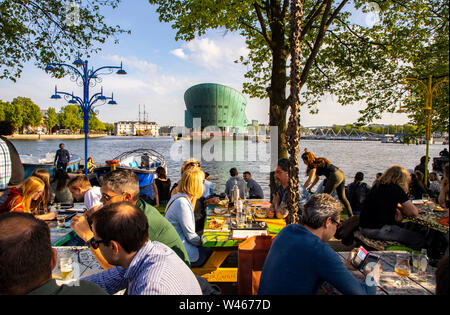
[216, 105]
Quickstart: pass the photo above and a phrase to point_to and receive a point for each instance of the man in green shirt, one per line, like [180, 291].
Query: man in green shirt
[27, 259]
[123, 185]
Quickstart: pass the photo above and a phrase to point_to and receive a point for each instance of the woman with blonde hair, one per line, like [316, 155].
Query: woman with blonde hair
[28, 198]
[317, 167]
[180, 213]
[385, 207]
[191, 162]
[45, 177]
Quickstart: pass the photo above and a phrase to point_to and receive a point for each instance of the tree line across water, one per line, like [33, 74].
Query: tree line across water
[25, 115]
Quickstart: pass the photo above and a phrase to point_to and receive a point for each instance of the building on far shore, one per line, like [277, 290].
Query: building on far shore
[136, 128]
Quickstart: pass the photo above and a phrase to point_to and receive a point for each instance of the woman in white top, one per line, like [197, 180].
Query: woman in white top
[180, 213]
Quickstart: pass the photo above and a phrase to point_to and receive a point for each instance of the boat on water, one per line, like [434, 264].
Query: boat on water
[31, 163]
[143, 162]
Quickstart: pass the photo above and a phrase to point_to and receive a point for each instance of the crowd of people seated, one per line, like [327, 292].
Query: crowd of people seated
[144, 251]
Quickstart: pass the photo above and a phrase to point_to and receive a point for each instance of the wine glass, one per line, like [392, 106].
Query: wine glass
[402, 268]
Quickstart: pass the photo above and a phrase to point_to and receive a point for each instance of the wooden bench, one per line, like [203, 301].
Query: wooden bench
[376, 244]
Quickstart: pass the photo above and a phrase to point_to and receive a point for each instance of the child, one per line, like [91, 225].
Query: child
[81, 190]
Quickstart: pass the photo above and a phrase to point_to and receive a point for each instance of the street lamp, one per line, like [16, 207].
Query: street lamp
[428, 90]
[86, 78]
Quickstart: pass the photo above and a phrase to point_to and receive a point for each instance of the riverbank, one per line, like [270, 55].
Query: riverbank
[53, 137]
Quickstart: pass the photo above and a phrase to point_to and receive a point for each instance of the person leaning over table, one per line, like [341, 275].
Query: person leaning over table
[27, 199]
[385, 207]
[444, 200]
[27, 260]
[180, 212]
[142, 266]
[82, 190]
[123, 185]
[300, 259]
[317, 167]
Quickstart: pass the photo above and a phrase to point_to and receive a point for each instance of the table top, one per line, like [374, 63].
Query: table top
[60, 236]
[429, 217]
[223, 238]
[389, 280]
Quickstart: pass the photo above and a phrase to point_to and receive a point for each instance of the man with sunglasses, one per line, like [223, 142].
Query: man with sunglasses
[300, 260]
[123, 185]
[142, 267]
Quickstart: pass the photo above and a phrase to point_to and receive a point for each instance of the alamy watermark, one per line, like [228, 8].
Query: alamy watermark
[373, 14]
[218, 144]
[72, 14]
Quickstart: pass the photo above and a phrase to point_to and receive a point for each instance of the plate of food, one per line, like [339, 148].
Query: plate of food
[418, 202]
[216, 224]
[220, 210]
[438, 208]
[260, 213]
[223, 202]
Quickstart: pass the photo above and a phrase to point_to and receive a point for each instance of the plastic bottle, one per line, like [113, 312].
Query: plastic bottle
[235, 193]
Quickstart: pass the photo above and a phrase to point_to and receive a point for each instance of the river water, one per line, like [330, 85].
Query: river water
[370, 157]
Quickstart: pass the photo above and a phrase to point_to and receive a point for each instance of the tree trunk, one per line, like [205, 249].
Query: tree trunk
[293, 133]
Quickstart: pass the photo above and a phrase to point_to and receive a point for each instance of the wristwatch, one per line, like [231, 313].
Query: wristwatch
[90, 243]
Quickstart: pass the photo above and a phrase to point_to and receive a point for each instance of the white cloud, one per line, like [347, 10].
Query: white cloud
[179, 53]
[213, 54]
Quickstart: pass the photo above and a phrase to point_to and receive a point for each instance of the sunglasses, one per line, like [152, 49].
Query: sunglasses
[96, 243]
[194, 164]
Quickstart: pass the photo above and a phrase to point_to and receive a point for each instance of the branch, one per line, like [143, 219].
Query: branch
[336, 12]
[359, 36]
[311, 18]
[317, 44]
[263, 26]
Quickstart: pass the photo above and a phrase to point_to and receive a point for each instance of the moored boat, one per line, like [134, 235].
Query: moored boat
[31, 163]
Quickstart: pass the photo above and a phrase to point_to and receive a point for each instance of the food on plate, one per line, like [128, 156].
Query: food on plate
[216, 224]
[260, 213]
[438, 208]
[223, 202]
[219, 210]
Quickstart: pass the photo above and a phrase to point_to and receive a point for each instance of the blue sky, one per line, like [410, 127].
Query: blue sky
[160, 69]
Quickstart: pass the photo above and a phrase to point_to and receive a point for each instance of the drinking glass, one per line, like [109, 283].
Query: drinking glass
[66, 267]
[61, 219]
[402, 268]
[415, 261]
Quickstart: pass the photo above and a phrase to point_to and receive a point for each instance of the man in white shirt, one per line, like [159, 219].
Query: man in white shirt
[81, 190]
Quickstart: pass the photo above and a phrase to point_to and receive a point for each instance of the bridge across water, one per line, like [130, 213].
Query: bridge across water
[340, 133]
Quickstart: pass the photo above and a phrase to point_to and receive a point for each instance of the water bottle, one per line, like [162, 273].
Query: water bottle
[235, 194]
[423, 265]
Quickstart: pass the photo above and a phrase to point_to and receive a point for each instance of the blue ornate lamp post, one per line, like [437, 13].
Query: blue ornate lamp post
[86, 78]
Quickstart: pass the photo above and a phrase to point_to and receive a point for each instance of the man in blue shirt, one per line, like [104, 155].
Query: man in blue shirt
[254, 189]
[300, 260]
[62, 157]
[142, 267]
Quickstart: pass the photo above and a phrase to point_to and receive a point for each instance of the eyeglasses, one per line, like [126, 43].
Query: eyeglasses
[108, 197]
[194, 164]
[335, 222]
[96, 243]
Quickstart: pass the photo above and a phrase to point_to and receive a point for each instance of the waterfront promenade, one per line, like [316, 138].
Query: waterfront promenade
[53, 137]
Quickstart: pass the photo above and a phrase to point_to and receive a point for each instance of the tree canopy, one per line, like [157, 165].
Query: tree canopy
[338, 56]
[49, 30]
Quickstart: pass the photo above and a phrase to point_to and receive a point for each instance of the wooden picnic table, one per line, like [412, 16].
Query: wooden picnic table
[430, 217]
[389, 280]
[223, 244]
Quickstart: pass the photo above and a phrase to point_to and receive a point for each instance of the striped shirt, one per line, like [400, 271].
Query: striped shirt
[5, 165]
[155, 270]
